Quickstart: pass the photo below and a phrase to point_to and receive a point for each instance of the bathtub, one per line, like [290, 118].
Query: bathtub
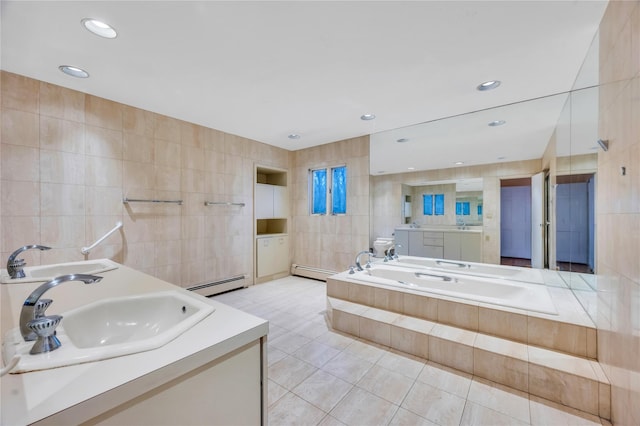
[495, 291]
[470, 268]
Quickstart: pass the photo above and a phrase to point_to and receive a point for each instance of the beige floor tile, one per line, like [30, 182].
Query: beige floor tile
[335, 339]
[434, 404]
[347, 367]
[407, 365]
[475, 414]
[407, 418]
[366, 350]
[313, 329]
[386, 384]
[360, 407]
[289, 342]
[290, 371]
[546, 413]
[502, 399]
[316, 353]
[293, 410]
[274, 392]
[274, 355]
[322, 390]
[446, 379]
[330, 421]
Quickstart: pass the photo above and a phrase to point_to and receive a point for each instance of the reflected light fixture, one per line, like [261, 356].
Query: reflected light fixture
[73, 71]
[403, 140]
[496, 123]
[604, 145]
[294, 136]
[99, 28]
[367, 117]
[488, 85]
[459, 163]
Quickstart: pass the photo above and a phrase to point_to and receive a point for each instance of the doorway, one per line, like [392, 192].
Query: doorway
[575, 223]
[515, 222]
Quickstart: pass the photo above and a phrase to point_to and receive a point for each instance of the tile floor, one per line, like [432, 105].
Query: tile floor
[321, 377]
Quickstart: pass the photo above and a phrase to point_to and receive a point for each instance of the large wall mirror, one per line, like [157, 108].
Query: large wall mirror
[547, 145]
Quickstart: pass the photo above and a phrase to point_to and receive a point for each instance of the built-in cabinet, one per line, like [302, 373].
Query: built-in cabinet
[449, 244]
[271, 212]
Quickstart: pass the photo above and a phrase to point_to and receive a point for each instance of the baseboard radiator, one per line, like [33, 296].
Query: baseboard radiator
[215, 287]
[311, 272]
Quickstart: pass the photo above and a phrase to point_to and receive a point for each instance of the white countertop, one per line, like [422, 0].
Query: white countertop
[470, 229]
[86, 390]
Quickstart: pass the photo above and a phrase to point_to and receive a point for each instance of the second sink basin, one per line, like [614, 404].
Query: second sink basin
[49, 272]
[113, 327]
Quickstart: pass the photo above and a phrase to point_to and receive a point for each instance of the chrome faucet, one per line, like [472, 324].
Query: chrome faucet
[33, 310]
[358, 265]
[392, 254]
[14, 267]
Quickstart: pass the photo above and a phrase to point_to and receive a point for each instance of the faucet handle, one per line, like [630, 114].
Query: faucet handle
[41, 306]
[45, 329]
[351, 270]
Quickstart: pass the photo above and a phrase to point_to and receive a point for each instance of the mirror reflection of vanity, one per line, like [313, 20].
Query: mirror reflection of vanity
[555, 135]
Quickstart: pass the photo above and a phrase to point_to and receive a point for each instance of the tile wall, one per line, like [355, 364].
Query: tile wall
[386, 194]
[618, 208]
[331, 242]
[69, 158]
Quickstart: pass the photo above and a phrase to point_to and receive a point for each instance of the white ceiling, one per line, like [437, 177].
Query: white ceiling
[266, 69]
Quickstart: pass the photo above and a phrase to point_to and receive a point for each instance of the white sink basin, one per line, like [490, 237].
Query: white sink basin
[49, 272]
[112, 327]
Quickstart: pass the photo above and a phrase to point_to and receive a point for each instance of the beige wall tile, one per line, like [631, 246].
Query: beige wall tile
[451, 354]
[59, 102]
[138, 176]
[410, 341]
[20, 198]
[103, 201]
[103, 172]
[20, 128]
[18, 231]
[166, 128]
[375, 331]
[100, 142]
[63, 231]
[347, 323]
[420, 306]
[20, 163]
[137, 121]
[61, 167]
[362, 294]
[61, 199]
[61, 135]
[103, 113]
[565, 337]
[501, 369]
[458, 314]
[503, 324]
[574, 391]
[19, 92]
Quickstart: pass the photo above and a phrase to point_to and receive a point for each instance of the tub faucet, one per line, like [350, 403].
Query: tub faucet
[392, 254]
[32, 310]
[14, 266]
[358, 265]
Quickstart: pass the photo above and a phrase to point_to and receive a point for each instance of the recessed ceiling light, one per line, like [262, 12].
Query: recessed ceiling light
[496, 123]
[458, 163]
[501, 158]
[367, 117]
[380, 172]
[99, 28]
[488, 85]
[294, 136]
[411, 168]
[73, 71]
[402, 140]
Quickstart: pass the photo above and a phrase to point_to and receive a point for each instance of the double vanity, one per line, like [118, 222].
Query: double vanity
[441, 242]
[134, 350]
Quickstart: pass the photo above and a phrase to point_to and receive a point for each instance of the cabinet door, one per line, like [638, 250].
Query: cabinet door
[272, 255]
[416, 244]
[471, 247]
[452, 245]
[401, 239]
[280, 202]
[433, 251]
[264, 201]
[281, 255]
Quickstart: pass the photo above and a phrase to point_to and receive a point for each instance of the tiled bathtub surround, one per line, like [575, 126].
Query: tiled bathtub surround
[572, 331]
[570, 380]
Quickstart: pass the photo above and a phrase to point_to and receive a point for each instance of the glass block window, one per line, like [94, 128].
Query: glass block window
[339, 190]
[319, 191]
[427, 204]
[479, 209]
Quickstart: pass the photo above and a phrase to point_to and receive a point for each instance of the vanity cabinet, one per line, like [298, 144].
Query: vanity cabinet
[449, 244]
[272, 255]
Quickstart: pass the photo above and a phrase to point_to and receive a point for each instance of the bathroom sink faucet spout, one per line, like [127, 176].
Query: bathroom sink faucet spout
[30, 309]
[14, 266]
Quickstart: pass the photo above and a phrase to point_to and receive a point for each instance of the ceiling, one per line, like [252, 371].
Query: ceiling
[264, 70]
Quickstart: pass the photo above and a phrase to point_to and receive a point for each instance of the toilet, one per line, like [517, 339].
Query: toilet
[381, 245]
